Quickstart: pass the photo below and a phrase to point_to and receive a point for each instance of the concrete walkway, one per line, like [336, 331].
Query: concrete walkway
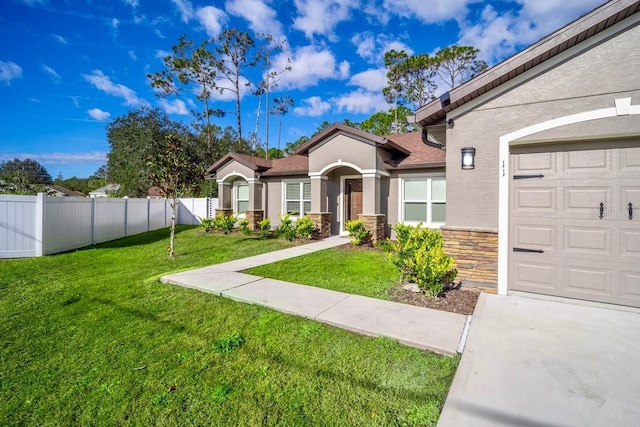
[424, 328]
[540, 362]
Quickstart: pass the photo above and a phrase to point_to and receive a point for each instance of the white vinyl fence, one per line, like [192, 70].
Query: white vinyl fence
[40, 225]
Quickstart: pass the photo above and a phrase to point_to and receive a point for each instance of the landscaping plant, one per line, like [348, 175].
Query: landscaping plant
[419, 254]
[357, 231]
[265, 227]
[286, 229]
[207, 224]
[305, 228]
[244, 227]
[224, 223]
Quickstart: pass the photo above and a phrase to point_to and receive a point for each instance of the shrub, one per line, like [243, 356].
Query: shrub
[305, 228]
[265, 227]
[244, 227]
[207, 223]
[357, 232]
[224, 223]
[286, 229]
[419, 254]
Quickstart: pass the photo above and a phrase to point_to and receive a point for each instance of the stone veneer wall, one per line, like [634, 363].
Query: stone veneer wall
[322, 221]
[224, 211]
[375, 225]
[475, 252]
[254, 217]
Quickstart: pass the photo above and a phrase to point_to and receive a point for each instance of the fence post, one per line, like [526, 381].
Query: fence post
[93, 220]
[126, 212]
[40, 221]
[148, 213]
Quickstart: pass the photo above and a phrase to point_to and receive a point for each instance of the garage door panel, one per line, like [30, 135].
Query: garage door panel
[587, 240]
[581, 254]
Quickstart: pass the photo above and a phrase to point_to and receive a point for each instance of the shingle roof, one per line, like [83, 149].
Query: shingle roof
[295, 164]
[421, 153]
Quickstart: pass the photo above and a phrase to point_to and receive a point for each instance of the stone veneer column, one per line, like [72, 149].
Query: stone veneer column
[375, 225]
[254, 217]
[475, 252]
[224, 211]
[322, 221]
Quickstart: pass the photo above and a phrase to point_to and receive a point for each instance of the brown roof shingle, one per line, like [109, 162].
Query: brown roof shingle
[421, 153]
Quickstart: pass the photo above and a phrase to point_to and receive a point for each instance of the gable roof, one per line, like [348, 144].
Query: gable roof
[574, 33]
[421, 154]
[66, 192]
[252, 162]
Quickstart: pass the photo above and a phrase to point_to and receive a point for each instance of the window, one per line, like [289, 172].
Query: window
[423, 200]
[241, 190]
[297, 198]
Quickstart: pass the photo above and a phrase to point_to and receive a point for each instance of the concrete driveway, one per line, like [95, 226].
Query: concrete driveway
[534, 362]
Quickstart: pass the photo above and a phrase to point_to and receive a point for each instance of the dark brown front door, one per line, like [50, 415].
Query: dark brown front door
[352, 199]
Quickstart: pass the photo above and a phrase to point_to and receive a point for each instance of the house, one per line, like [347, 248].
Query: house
[59, 191]
[542, 166]
[107, 191]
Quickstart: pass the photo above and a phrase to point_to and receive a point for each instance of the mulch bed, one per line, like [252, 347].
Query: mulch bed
[462, 301]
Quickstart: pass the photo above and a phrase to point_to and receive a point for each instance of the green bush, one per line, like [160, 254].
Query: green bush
[265, 227]
[207, 223]
[224, 223]
[244, 227]
[357, 232]
[286, 229]
[305, 228]
[419, 254]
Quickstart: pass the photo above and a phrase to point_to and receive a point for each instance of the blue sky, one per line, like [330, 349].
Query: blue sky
[69, 67]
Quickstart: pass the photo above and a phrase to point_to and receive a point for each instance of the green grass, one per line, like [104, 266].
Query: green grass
[362, 272]
[92, 338]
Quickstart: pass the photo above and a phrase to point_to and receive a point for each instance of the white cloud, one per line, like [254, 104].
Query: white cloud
[98, 114]
[360, 102]
[34, 2]
[9, 71]
[371, 80]
[158, 33]
[132, 3]
[103, 83]
[499, 35]
[114, 23]
[176, 107]
[54, 75]
[35, 100]
[60, 39]
[261, 17]
[132, 55]
[309, 65]
[322, 16]
[161, 54]
[312, 107]
[185, 8]
[428, 12]
[59, 158]
[211, 19]
[227, 94]
[372, 48]
[75, 101]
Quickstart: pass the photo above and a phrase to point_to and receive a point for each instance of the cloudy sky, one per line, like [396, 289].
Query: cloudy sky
[69, 67]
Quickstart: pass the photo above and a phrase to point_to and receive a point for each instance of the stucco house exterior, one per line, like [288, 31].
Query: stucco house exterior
[531, 169]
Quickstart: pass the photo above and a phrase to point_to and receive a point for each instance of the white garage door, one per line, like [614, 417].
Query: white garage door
[575, 221]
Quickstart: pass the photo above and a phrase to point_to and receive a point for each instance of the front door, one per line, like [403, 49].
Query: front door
[352, 199]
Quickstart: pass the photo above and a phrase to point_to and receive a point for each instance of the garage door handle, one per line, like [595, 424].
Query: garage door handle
[527, 176]
[630, 211]
[601, 210]
[537, 251]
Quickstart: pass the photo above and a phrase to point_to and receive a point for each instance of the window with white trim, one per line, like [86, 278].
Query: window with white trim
[297, 198]
[423, 199]
[241, 196]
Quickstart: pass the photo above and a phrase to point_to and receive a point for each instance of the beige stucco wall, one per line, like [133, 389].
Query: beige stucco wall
[585, 82]
[344, 148]
[234, 167]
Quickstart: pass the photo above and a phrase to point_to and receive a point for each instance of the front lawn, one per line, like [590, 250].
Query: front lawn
[91, 337]
[346, 269]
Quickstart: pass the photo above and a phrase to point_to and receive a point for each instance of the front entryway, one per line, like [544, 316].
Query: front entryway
[575, 221]
[352, 199]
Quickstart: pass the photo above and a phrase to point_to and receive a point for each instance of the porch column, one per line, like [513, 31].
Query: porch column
[319, 212]
[255, 213]
[225, 206]
[370, 193]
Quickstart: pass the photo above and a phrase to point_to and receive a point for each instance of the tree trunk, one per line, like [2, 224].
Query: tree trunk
[237, 84]
[172, 235]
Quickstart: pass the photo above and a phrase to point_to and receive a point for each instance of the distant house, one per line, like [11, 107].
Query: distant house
[107, 191]
[58, 191]
[538, 189]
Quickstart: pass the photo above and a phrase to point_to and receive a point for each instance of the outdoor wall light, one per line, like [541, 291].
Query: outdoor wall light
[468, 157]
[450, 123]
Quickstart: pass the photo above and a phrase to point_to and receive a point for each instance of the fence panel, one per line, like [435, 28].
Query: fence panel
[109, 219]
[67, 224]
[137, 216]
[191, 210]
[158, 209]
[18, 233]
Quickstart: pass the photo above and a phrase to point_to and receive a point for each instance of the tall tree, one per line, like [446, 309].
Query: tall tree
[457, 64]
[191, 69]
[281, 107]
[386, 123]
[134, 138]
[176, 173]
[268, 49]
[234, 55]
[28, 171]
